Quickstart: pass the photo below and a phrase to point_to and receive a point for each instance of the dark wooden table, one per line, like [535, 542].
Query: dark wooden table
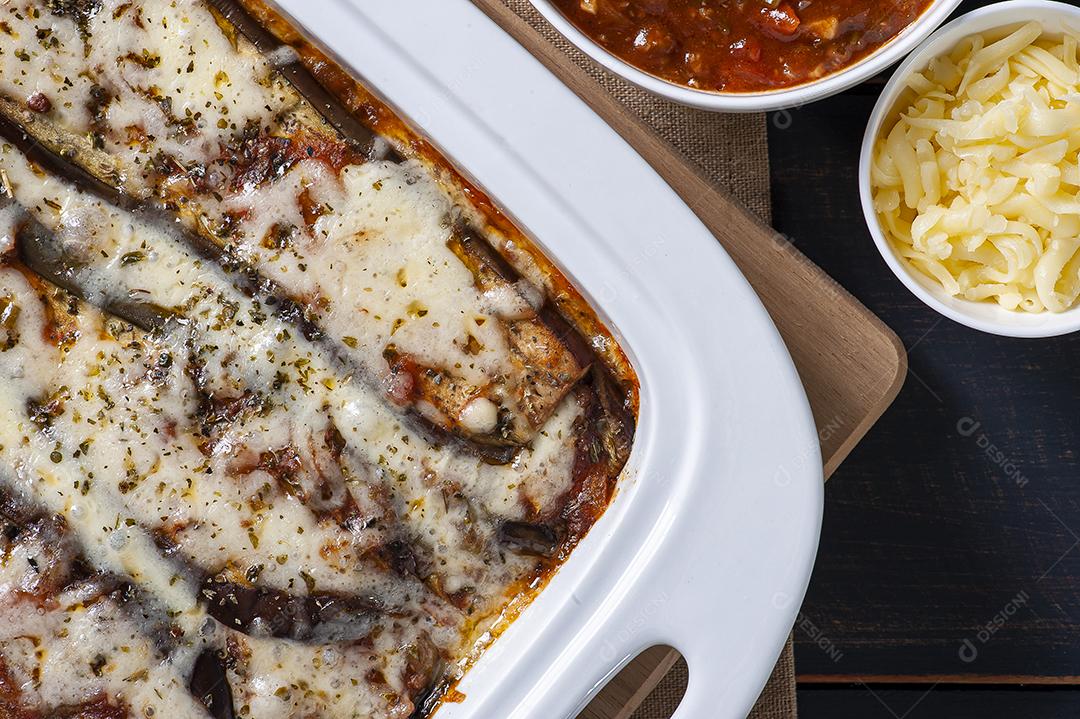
[948, 580]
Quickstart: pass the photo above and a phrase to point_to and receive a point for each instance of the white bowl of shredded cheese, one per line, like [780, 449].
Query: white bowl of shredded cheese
[970, 177]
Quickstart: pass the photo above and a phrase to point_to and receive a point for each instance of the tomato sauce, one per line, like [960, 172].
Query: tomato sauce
[741, 45]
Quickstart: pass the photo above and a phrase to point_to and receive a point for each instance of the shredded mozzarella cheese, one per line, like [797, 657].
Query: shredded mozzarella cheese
[976, 183]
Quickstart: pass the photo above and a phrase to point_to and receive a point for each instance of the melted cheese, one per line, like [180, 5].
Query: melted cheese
[227, 444]
[164, 67]
[381, 262]
[161, 86]
[144, 469]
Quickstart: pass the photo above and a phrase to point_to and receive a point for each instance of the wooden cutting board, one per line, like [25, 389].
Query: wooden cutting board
[851, 364]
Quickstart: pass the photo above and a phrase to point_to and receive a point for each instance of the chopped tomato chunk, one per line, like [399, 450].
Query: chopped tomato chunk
[747, 48]
[781, 19]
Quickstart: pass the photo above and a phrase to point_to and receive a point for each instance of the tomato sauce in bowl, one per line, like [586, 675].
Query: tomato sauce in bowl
[738, 46]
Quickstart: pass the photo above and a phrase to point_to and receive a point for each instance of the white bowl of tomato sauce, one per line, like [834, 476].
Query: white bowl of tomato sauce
[746, 55]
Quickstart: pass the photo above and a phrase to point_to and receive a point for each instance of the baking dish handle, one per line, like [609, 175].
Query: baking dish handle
[713, 680]
[678, 600]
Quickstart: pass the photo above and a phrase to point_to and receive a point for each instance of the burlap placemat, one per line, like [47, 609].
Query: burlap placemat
[733, 152]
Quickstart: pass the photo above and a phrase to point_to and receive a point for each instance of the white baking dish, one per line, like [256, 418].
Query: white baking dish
[709, 543]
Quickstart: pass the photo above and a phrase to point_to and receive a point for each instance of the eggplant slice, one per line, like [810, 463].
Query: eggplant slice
[37, 250]
[210, 685]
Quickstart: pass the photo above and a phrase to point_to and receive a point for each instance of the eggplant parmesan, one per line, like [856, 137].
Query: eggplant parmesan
[293, 420]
